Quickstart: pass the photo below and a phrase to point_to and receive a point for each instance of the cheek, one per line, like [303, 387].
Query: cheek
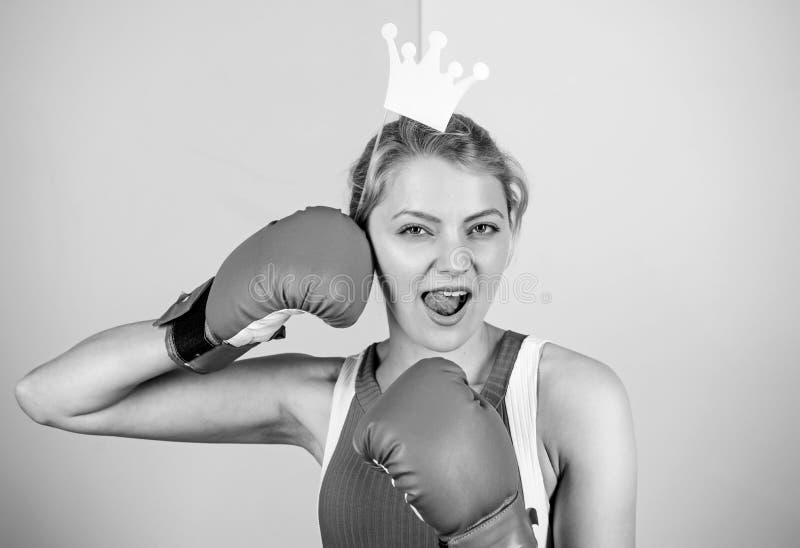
[398, 271]
[491, 257]
[490, 265]
[393, 260]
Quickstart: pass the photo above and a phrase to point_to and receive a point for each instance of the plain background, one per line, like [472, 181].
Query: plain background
[141, 141]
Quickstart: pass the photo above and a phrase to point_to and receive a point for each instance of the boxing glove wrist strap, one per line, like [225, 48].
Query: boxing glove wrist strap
[507, 527]
[189, 341]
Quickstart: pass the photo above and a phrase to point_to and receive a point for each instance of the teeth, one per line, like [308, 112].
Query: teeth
[458, 293]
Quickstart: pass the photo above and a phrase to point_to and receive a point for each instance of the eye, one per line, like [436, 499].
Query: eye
[412, 230]
[485, 228]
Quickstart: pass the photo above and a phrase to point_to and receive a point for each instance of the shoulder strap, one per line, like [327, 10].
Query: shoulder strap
[521, 401]
[343, 392]
[494, 389]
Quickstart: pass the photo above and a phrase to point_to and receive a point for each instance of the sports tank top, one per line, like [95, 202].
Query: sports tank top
[359, 507]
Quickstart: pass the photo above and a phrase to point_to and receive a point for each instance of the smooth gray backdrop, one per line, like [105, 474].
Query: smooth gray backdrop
[141, 141]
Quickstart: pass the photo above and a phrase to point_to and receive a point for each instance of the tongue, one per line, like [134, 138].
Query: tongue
[442, 304]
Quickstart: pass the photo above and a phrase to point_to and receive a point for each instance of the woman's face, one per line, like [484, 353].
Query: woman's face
[440, 227]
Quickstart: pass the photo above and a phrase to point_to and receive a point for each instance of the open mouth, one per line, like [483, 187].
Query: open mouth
[446, 302]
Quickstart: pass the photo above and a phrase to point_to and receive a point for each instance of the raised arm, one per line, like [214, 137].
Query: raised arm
[151, 379]
[120, 382]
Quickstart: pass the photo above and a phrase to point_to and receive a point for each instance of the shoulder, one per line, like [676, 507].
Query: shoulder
[296, 367]
[309, 381]
[588, 425]
[583, 405]
[303, 383]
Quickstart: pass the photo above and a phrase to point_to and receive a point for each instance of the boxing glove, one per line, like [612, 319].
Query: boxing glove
[447, 450]
[316, 260]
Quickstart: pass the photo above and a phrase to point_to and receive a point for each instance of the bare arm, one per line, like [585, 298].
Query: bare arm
[95, 373]
[595, 502]
[121, 382]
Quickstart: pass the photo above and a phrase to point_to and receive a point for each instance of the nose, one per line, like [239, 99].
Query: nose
[454, 256]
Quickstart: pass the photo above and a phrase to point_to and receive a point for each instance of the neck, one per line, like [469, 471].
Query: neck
[475, 356]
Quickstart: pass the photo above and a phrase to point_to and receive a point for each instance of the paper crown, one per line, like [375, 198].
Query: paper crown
[419, 90]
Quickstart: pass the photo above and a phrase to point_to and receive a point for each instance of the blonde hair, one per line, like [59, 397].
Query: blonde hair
[465, 143]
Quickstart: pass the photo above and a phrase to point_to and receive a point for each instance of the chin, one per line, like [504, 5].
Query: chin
[446, 342]
[446, 339]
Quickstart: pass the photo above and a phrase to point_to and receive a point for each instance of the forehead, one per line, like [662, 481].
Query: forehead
[437, 186]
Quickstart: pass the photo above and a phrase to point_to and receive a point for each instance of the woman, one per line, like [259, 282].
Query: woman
[441, 211]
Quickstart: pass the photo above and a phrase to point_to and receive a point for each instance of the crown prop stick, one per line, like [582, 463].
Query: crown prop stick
[420, 91]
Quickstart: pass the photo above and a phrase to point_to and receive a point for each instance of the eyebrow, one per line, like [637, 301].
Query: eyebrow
[431, 218]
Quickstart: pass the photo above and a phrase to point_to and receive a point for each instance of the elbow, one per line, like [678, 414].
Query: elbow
[28, 402]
